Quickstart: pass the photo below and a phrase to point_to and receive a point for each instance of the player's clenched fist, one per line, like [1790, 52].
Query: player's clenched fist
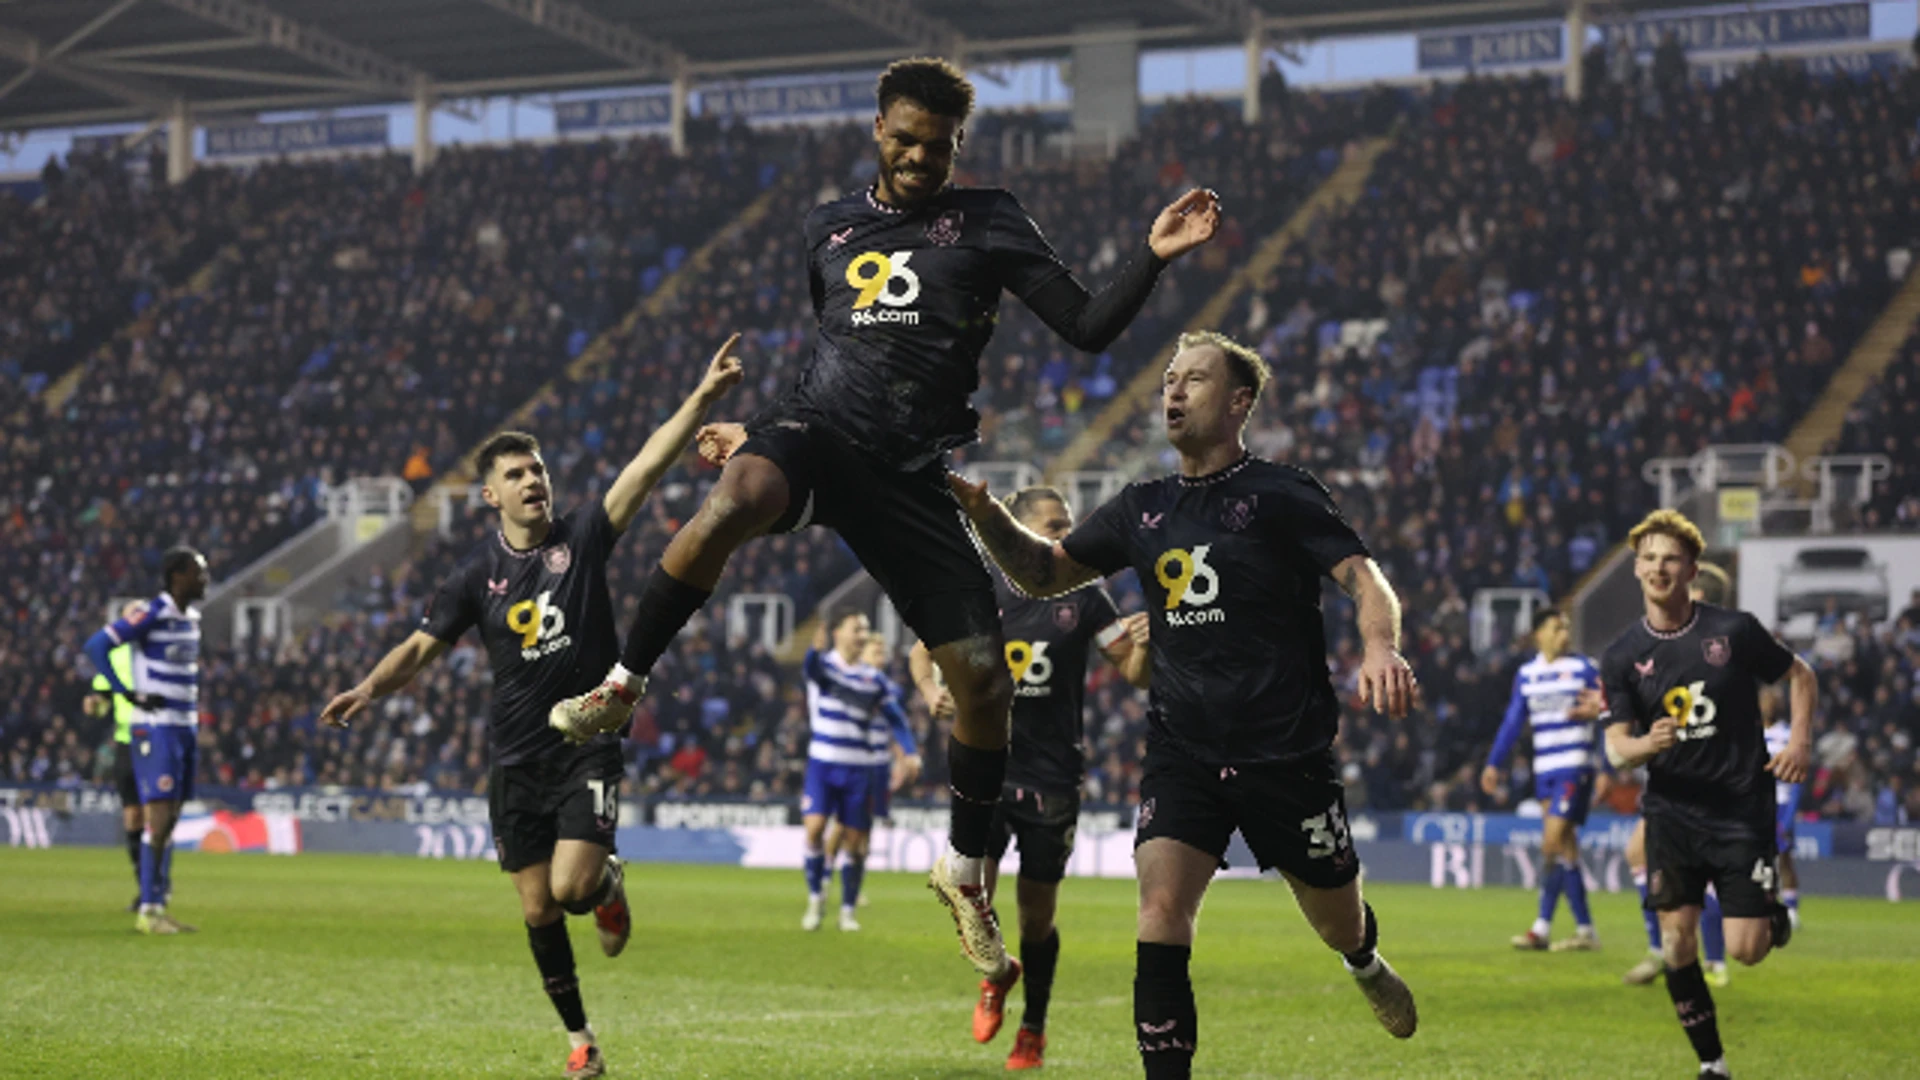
[718, 442]
[1664, 733]
[973, 498]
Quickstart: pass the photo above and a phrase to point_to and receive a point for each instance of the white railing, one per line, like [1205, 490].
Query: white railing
[1767, 466]
[1497, 610]
[1003, 478]
[369, 496]
[1088, 489]
[263, 618]
[452, 503]
[765, 617]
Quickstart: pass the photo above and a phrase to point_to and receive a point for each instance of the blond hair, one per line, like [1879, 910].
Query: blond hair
[1249, 368]
[1671, 523]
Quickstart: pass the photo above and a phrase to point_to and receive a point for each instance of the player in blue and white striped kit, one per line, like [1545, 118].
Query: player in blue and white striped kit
[1558, 696]
[1786, 798]
[851, 707]
[165, 635]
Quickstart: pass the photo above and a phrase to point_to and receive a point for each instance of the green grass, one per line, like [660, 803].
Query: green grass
[359, 966]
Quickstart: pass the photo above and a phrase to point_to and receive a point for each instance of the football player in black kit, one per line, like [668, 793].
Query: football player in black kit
[1047, 645]
[1231, 552]
[1683, 698]
[537, 592]
[906, 277]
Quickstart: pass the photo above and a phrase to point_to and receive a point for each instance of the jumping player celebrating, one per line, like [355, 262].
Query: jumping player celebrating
[1231, 552]
[537, 592]
[1683, 696]
[1047, 646]
[906, 277]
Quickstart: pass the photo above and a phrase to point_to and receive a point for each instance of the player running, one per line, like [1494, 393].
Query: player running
[1230, 551]
[164, 736]
[1711, 586]
[853, 714]
[1683, 697]
[537, 592]
[1557, 695]
[906, 277]
[1047, 645]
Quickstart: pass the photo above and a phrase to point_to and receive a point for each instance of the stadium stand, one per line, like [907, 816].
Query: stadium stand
[1502, 234]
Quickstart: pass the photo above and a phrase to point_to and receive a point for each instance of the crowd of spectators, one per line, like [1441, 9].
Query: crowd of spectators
[1885, 420]
[1664, 270]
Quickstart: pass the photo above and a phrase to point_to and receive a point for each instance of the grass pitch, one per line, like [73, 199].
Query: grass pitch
[365, 966]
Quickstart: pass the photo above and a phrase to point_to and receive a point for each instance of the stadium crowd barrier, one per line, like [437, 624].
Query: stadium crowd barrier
[1445, 850]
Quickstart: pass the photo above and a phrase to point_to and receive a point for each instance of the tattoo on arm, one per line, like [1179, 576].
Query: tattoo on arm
[1027, 561]
[1349, 581]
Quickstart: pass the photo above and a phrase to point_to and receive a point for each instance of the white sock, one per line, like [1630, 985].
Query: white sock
[967, 869]
[1585, 930]
[627, 679]
[583, 1037]
[1541, 928]
[1368, 972]
[1716, 1067]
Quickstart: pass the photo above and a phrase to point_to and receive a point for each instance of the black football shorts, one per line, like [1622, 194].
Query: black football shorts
[1293, 814]
[572, 793]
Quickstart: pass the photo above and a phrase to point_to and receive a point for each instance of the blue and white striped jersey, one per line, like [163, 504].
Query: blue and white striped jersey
[846, 710]
[1785, 796]
[1544, 693]
[166, 660]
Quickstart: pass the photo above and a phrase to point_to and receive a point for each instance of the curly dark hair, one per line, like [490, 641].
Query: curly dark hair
[929, 82]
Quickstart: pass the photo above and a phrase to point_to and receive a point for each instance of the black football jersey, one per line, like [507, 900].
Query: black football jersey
[1047, 644]
[546, 619]
[906, 301]
[1706, 676]
[1231, 564]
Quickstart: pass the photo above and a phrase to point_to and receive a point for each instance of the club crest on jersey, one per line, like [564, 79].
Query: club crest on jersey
[1065, 617]
[1238, 513]
[945, 230]
[1718, 651]
[557, 560]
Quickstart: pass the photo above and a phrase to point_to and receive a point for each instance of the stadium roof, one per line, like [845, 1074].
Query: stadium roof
[76, 62]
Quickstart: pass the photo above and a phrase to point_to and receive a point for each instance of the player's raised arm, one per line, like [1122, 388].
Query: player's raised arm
[662, 449]
[1091, 321]
[395, 670]
[1033, 564]
[1386, 681]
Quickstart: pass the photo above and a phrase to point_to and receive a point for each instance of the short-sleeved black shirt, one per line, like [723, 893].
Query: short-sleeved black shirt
[1707, 676]
[906, 301]
[1047, 643]
[1231, 564]
[546, 619]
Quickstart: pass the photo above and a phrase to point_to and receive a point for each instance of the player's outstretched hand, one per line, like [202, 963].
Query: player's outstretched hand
[723, 374]
[342, 709]
[1139, 628]
[1189, 222]
[1490, 781]
[1790, 765]
[906, 770]
[1386, 683]
[717, 442]
[1664, 734]
[973, 498]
